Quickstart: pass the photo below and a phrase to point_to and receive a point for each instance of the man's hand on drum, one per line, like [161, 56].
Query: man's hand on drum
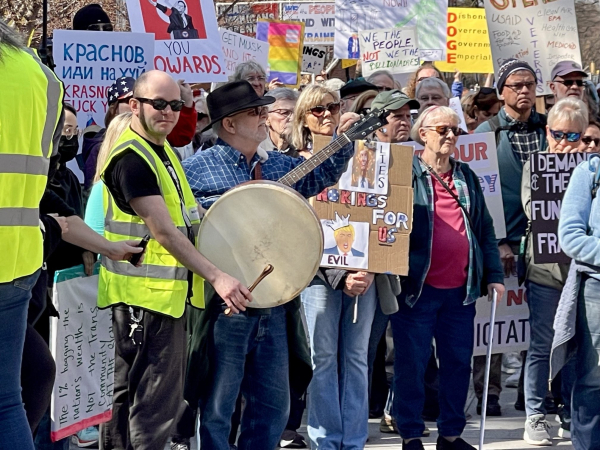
[346, 121]
[235, 294]
[358, 283]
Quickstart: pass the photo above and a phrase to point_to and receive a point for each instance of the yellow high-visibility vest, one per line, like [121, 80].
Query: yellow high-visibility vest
[30, 110]
[161, 283]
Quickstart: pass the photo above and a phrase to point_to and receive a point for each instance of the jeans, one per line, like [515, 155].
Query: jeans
[438, 313]
[542, 302]
[338, 398]
[14, 301]
[585, 425]
[249, 353]
[42, 436]
[378, 386]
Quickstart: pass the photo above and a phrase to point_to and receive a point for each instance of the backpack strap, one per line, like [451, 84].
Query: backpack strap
[596, 184]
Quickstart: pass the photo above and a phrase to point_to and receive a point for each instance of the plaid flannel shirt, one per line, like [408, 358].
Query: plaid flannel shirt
[525, 141]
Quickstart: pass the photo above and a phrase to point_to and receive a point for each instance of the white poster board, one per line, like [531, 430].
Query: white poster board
[313, 59]
[457, 108]
[392, 49]
[238, 48]
[88, 63]
[318, 18]
[188, 45]
[542, 34]
[429, 17]
[82, 344]
[479, 151]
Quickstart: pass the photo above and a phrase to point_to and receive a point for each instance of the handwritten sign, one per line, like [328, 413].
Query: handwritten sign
[550, 175]
[238, 48]
[541, 33]
[511, 327]
[479, 151]
[186, 45]
[242, 17]
[429, 17]
[393, 49]
[467, 42]
[313, 59]
[318, 18]
[82, 344]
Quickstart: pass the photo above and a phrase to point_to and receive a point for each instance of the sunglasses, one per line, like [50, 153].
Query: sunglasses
[283, 112]
[587, 140]
[255, 111]
[570, 136]
[319, 110]
[100, 27]
[159, 104]
[442, 130]
[569, 83]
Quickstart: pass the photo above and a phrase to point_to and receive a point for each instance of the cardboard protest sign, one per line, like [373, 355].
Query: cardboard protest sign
[242, 17]
[393, 49]
[238, 48]
[313, 59]
[550, 175]
[429, 17]
[455, 105]
[479, 151]
[367, 216]
[186, 33]
[285, 49]
[467, 42]
[511, 332]
[318, 18]
[89, 62]
[82, 344]
[542, 34]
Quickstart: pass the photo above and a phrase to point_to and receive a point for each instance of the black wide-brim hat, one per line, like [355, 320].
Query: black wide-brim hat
[231, 98]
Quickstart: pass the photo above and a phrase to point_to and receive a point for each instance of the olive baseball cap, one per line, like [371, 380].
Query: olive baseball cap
[392, 100]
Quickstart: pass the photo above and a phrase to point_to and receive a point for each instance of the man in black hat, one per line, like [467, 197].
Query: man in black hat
[92, 18]
[353, 89]
[247, 352]
[567, 80]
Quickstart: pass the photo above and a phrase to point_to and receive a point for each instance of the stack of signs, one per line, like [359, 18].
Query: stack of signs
[367, 217]
[429, 17]
[238, 48]
[318, 18]
[392, 49]
[185, 37]
[543, 34]
[313, 59]
[550, 174]
[285, 49]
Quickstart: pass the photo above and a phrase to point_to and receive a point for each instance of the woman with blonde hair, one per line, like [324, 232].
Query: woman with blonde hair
[94, 211]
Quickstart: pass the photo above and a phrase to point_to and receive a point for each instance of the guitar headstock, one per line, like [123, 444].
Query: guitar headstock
[367, 125]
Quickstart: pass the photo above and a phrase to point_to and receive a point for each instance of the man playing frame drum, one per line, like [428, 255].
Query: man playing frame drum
[247, 351]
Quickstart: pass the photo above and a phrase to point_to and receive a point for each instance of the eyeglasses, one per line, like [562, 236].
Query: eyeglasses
[569, 136]
[256, 111]
[201, 116]
[159, 104]
[364, 111]
[258, 78]
[518, 87]
[569, 83]
[100, 27]
[587, 140]
[442, 130]
[69, 132]
[319, 110]
[433, 98]
[283, 112]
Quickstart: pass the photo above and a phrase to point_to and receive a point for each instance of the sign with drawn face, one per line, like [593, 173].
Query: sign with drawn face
[368, 170]
[346, 243]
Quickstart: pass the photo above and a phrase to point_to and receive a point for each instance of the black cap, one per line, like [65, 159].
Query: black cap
[231, 98]
[357, 86]
[89, 15]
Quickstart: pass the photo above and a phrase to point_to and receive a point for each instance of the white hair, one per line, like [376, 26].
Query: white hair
[570, 110]
[430, 116]
[433, 82]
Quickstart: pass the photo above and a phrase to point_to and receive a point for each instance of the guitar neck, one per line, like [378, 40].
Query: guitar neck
[315, 161]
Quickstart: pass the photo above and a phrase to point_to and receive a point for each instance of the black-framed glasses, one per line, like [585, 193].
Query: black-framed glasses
[201, 116]
[159, 104]
[364, 111]
[283, 112]
[255, 111]
[587, 140]
[100, 27]
[569, 83]
[518, 87]
[319, 110]
[569, 136]
[442, 130]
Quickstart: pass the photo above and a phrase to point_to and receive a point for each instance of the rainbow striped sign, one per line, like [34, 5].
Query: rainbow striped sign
[285, 39]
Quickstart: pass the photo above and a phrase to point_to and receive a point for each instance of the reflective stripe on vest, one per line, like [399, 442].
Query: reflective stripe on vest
[26, 164]
[146, 270]
[19, 217]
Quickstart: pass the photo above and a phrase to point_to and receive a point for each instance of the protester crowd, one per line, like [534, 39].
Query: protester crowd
[192, 357]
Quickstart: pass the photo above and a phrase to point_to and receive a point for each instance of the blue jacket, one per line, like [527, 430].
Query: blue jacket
[484, 267]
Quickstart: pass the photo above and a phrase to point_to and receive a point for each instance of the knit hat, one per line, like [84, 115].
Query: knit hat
[509, 67]
[89, 15]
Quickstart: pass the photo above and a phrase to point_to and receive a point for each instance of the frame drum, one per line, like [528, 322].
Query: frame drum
[259, 223]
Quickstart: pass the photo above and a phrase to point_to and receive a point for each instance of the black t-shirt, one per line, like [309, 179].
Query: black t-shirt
[129, 176]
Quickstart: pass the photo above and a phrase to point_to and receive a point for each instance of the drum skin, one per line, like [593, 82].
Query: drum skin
[259, 223]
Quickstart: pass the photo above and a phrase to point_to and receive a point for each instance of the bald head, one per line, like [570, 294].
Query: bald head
[152, 81]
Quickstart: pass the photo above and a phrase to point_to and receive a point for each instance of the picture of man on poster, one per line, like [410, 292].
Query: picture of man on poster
[180, 23]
